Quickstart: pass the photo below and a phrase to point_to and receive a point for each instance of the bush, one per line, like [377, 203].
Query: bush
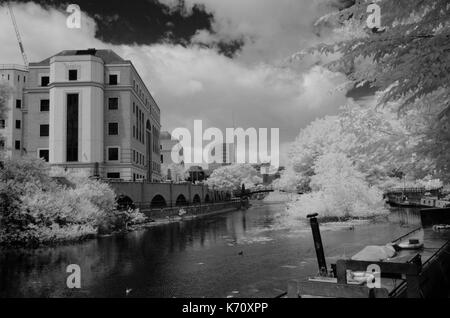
[36, 209]
[119, 220]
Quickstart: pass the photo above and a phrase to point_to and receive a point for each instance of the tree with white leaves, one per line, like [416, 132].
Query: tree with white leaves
[407, 58]
[379, 144]
[339, 191]
[231, 178]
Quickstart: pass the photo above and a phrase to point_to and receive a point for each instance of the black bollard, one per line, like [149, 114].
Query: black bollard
[318, 243]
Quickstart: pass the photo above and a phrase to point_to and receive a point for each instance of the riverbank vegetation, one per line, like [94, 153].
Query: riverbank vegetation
[43, 205]
[232, 177]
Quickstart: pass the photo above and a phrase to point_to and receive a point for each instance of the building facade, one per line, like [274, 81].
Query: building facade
[14, 76]
[89, 110]
[172, 158]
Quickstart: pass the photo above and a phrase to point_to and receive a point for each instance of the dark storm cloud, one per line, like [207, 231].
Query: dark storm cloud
[147, 22]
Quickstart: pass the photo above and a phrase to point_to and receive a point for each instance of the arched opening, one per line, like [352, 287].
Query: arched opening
[181, 200]
[207, 199]
[158, 201]
[196, 199]
[124, 203]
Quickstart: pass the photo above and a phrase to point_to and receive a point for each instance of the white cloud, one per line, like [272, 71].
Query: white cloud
[198, 83]
[273, 29]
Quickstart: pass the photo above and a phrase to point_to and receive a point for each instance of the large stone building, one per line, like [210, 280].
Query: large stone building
[85, 109]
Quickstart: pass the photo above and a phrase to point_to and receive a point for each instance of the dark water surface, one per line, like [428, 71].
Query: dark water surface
[249, 253]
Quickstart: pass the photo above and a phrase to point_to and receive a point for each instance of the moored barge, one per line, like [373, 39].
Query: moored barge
[419, 266]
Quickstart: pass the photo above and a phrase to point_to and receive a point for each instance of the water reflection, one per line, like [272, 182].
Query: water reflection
[405, 216]
[243, 253]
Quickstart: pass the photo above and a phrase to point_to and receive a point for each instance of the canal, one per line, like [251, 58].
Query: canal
[251, 253]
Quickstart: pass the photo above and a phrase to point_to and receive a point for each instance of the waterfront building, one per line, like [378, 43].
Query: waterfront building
[172, 158]
[84, 109]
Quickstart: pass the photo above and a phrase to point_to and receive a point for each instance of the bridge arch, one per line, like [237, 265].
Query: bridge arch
[181, 200]
[124, 202]
[158, 201]
[207, 199]
[196, 199]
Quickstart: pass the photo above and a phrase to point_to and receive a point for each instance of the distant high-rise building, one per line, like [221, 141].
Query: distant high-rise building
[225, 153]
[86, 109]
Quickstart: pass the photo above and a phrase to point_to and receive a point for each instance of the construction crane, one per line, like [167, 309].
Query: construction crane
[22, 50]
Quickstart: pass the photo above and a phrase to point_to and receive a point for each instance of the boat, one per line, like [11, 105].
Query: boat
[419, 268]
[411, 244]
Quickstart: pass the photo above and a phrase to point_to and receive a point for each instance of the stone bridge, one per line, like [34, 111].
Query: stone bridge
[160, 195]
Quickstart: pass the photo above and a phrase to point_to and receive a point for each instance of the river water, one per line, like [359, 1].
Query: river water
[251, 253]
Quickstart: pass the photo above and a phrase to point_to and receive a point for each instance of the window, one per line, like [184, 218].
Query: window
[18, 103]
[45, 80]
[17, 144]
[44, 130]
[134, 131]
[44, 154]
[113, 79]
[162, 159]
[2, 123]
[73, 75]
[113, 175]
[113, 154]
[72, 128]
[17, 124]
[113, 129]
[113, 103]
[2, 144]
[45, 105]
[134, 156]
[18, 78]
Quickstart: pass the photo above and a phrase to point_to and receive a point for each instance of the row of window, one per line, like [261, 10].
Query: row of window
[139, 128]
[43, 129]
[113, 128]
[18, 77]
[137, 176]
[138, 158]
[156, 146]
[139, 92]
[73, 76]
[156, 166]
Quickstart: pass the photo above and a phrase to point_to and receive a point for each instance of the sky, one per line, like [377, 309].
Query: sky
[223, 62]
